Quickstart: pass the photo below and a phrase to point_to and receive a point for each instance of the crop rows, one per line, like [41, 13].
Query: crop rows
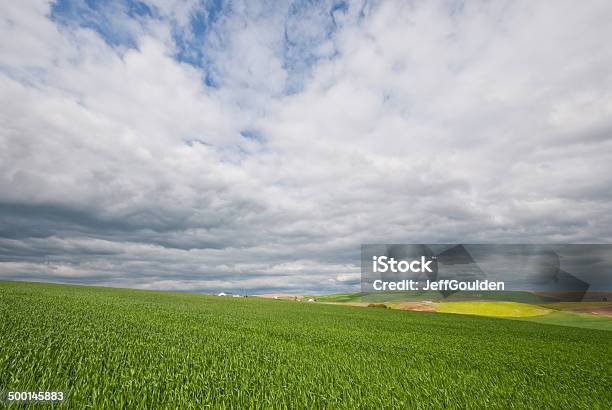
[126, 348]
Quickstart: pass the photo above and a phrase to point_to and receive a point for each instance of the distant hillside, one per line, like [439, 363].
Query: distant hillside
[377, 297]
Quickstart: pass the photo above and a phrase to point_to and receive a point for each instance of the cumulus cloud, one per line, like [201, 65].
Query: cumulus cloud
[254, 147]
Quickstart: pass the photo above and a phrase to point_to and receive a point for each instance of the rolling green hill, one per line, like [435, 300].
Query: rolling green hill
[379, 297]
[575, 319]
[127, 348]
[510, 304]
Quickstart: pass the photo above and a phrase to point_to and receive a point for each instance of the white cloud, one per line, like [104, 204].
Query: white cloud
[405, 122]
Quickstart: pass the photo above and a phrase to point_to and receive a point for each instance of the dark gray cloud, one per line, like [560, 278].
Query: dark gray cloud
[122, 165]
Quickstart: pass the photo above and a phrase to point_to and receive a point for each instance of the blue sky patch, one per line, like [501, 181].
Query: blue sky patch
[252, 135]
[108, 18]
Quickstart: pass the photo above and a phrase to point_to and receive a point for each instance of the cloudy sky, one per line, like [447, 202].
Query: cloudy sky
[253, 146]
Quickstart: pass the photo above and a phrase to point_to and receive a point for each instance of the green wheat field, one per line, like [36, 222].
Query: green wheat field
[119, 348]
